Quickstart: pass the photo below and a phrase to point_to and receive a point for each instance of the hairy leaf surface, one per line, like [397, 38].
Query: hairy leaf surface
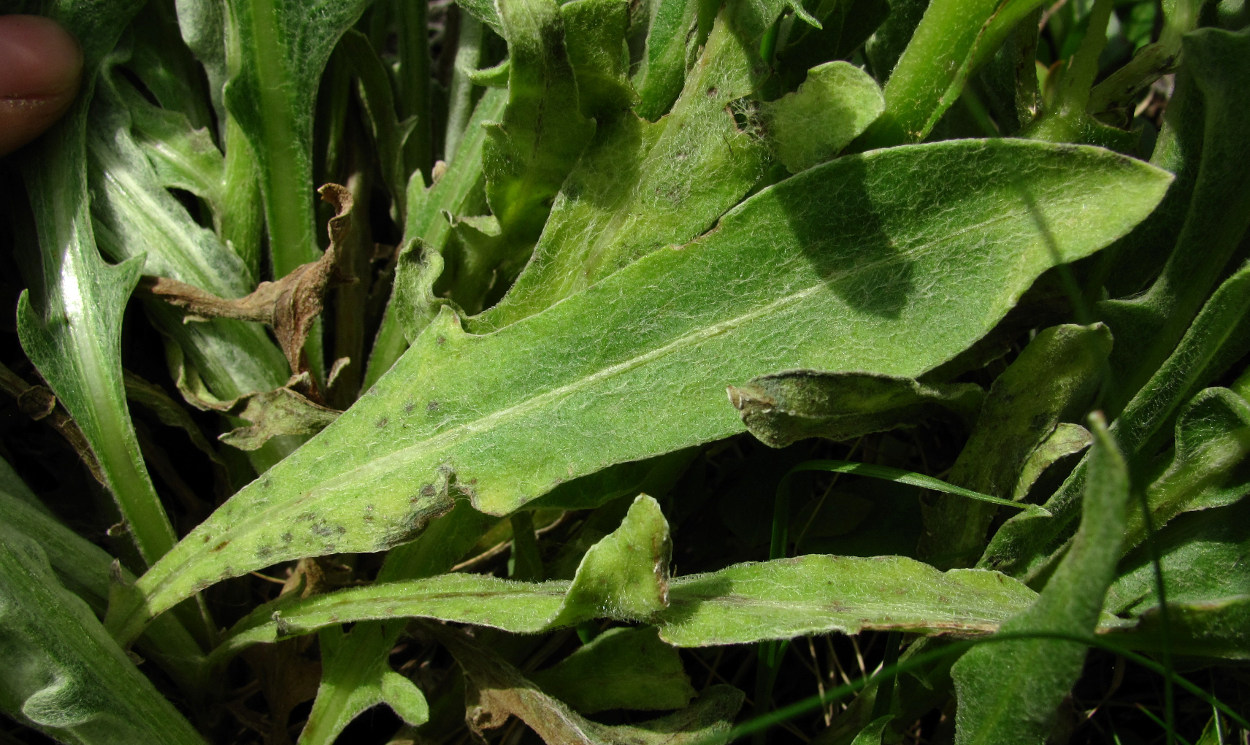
[891, 262]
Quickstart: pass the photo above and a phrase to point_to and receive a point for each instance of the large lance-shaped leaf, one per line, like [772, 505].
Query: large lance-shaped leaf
[891, 261]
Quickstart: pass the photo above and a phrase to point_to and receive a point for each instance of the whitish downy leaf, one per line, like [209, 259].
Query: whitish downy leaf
[69, 321]
[1009, 692]
[65, 675]
[1054, 378]
[857, 264]
[624, 577]
[782, 408]
[832, 107]
[135, 216]
[84, 569]
[622, 668]
[498, 691]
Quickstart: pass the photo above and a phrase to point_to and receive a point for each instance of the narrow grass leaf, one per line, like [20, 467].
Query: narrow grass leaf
[1008, 693]
[911, 478]
[891, 262]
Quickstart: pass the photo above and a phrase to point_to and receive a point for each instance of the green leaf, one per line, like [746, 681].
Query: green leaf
[1219, 336]
[670, 51]
[1202, 556]
[861, 272]
[1066, 439]
[457, 193]
[69, 322]
[282, 47]
[1216, 211]
[594, 34]
[625, 575]
[65, 675]
[952, 38]
[276, 413]
[85, 570]
[817, 594]
[622, 668]
[1217, 628]
[499, 691]
[1209, 466]
[783, 408]
[1008, 693]
[833, 106]
[642, 186]
[1054, 378]
[358, 684]
[529, 152]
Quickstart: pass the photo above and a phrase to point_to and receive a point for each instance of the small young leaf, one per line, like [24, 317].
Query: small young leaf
[783, 408]
[833, 106]
[357, 684]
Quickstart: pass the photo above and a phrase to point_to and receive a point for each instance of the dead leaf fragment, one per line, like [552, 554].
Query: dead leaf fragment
[289, 305]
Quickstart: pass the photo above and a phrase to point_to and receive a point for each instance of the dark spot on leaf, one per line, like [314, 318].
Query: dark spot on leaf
[381, 422]
[287, 537]
[426, 491]
[408, 407]
[441, 340]
[304, 517]
[263, 553]
[711, 92]
[432, 406]
[221, 545]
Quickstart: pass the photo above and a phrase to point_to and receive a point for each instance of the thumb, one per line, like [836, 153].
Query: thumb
[40, 69]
